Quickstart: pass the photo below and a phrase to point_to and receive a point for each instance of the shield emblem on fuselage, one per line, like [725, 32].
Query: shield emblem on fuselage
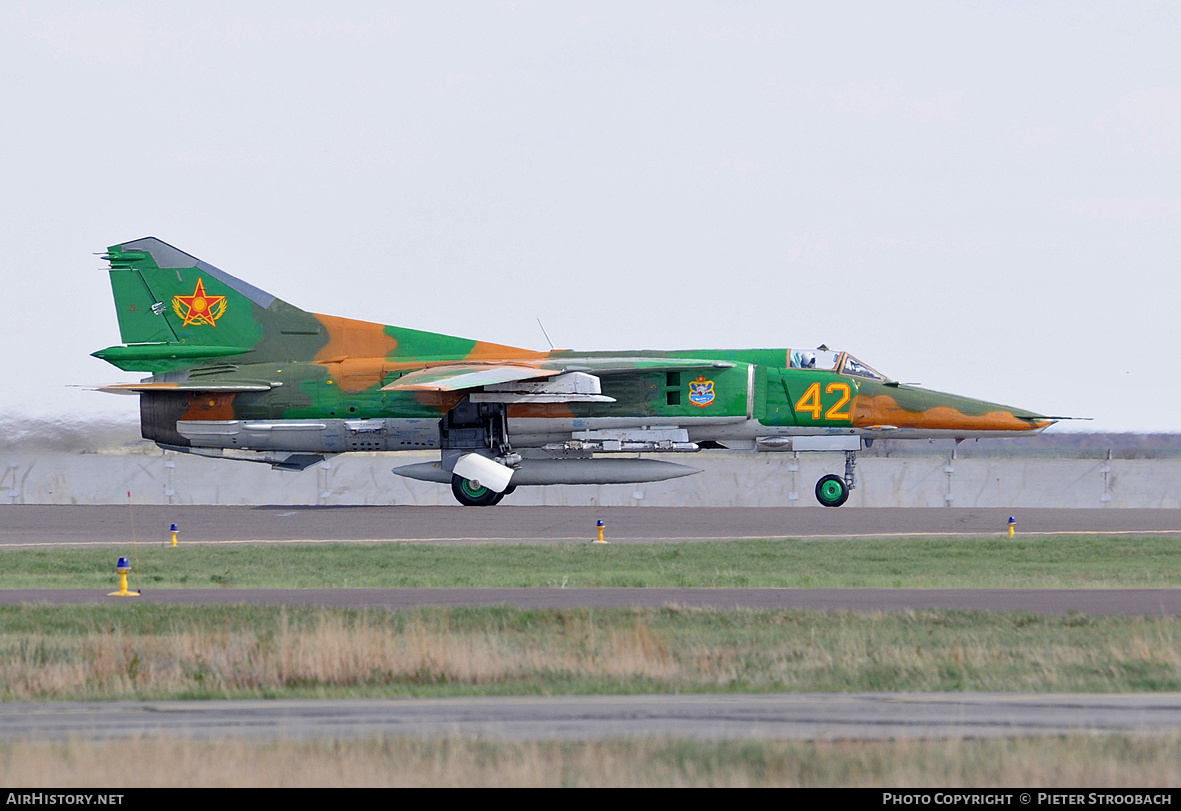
[701, 392]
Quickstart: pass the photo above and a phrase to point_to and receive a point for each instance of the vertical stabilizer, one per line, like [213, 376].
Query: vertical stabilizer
[173, 306]
[176, 311]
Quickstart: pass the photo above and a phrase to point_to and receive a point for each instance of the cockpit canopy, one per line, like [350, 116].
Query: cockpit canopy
[833, 360]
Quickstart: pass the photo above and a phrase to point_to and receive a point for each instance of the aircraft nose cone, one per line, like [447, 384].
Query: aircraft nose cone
[914, 408]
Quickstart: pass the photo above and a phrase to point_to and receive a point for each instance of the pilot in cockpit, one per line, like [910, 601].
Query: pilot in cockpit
[803, 360]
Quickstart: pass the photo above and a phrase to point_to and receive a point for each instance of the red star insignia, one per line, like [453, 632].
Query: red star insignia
[199, 308]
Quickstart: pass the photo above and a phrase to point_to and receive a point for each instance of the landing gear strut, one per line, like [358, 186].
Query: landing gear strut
[475, 428]
[833, 490]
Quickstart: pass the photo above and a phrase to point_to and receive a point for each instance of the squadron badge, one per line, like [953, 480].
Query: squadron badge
[701, 391]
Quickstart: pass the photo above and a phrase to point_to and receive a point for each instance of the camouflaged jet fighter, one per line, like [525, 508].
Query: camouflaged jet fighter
[237, 373]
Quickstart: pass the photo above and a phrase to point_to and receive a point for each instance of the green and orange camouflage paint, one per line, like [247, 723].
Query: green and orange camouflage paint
[237, 371]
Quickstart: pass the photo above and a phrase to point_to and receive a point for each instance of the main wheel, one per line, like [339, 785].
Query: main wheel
[473, 494]
[831, 491]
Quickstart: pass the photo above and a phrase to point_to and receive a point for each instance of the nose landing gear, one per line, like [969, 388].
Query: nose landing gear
[833, 490]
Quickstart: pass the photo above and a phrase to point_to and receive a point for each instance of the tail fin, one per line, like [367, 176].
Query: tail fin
[174, 309]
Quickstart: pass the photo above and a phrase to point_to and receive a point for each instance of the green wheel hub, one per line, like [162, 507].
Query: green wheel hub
[473, 494]
[473, 489]
[831, 491]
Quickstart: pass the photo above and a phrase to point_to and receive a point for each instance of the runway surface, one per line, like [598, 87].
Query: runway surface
[1122, 602]
[25, 525]
[802, 716]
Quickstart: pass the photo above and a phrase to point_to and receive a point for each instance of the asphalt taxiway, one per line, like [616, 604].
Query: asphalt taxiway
[34, 525]
[777, 716]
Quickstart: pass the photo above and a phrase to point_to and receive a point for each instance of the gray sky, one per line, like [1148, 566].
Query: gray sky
[978, 197]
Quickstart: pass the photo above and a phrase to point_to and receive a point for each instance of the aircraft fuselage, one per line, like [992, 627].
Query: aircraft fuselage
[330, 408]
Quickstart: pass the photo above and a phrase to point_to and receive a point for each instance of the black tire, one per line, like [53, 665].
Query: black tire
[473, 494]
[831, 491]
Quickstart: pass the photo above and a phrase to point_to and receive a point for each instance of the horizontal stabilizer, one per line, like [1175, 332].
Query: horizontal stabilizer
[128, 357]
[191, 386]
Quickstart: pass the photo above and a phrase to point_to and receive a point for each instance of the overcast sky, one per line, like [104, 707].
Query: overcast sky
[982, 198]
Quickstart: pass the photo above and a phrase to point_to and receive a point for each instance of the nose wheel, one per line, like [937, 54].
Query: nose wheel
[831, 491]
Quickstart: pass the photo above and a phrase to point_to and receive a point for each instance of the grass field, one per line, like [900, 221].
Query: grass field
[123, 651]
[1115, 761]
[1057, 562]
[134, 650]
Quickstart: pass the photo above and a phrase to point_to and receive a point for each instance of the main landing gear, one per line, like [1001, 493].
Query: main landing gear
[471, 493]
[480, 428]
[833, 490]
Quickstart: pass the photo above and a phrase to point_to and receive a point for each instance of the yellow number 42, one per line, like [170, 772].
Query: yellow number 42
[811, 401]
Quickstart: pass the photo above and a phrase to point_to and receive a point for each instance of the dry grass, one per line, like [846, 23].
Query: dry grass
[182, 653]
[161, 651]
[1109, 761]
[330, 651]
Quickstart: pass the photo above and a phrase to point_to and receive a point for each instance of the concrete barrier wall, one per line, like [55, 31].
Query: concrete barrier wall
[728, 479]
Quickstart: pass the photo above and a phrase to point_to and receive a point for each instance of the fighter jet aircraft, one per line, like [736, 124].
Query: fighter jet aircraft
[238, 373]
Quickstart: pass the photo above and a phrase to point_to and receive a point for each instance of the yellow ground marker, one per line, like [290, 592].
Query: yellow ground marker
[600, 526]
[123, 567]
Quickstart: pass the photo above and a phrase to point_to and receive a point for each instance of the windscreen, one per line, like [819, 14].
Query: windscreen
[858, 369]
